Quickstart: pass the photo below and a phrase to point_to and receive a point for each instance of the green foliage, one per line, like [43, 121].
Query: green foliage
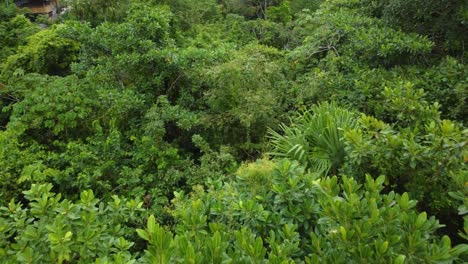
[81, 131]
[383, 236]
[257, 175]
[54, 120]
[281, 13]
[351, 57]
[443, 21]
[51, 107]
[153, 24]
[446, 84]
[8, 10]
[419, 160]
[13, 33]
[461, 194]
[46, 52]
[246, 8]
[213, 246]
[357, 37]
[157, 99]
[244, 97]
[298, 5]
[15, 157]
[55, 230]
[97, 11]
[420, 91]
[236, 29]
[321, 220]
[315, 138]
[191, 12]
[268, 32]
[138, 49]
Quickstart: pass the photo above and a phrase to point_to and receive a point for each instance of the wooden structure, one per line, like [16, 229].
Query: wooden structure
[45, 7]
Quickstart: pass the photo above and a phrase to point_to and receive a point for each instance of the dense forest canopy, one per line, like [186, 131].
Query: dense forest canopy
[234, 131]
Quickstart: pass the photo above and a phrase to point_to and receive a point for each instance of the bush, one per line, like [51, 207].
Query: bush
[55, 230]
[292, 217]
[420, 161]
[300, 217]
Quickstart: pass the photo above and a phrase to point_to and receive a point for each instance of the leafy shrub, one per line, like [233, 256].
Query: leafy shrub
[446, 84]
[420, 160]
[300, 217]
[18, 162]
[460, 193]
[296, 218]
[55, 230]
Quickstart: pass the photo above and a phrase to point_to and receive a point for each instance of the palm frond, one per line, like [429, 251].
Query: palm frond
[315, 137]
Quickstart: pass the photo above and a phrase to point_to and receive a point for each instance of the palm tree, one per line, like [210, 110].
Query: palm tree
[315, 138]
